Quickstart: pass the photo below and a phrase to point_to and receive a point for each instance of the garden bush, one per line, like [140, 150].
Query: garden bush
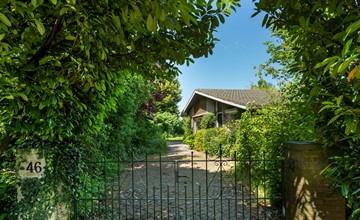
[210, 140]
[258, 135]
[207, 121]
[190, 140]
[199, 142]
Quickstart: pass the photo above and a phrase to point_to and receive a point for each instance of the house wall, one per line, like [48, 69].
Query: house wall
[210, 105]
[206, 105]
[200, 107]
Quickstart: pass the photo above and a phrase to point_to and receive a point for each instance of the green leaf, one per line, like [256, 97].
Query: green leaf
[40, 27]
[45, 60]
[54, 2]
[63, 11]
[162, 15]
[68, 91]
[346, 48]
[302, 21]
[334, 119]
[9, 97]
[345, 190]
[355, 214]
[34, 3]
[125, 13]
[57, 63]
[339, 99]
[329, 60]
[41, 105]
[346, 63]
[70, 37]
[221, 18]
[23, 96]
[87, 87]
[2, 36]
[3, 216]
[5, 20]
[150, 23]
[265, 20]
[353, 27]
[51, 123]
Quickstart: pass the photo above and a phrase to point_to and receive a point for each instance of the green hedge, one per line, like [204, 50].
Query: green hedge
[210, 140]
[257, 134]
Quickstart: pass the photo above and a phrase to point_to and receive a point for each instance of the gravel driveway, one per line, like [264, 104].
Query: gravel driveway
[185, 184]
[182, 184]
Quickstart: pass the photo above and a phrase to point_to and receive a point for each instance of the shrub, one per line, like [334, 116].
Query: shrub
[187, 127]
[199, 140]
[260, 134]
[190, 140]
[207, 121]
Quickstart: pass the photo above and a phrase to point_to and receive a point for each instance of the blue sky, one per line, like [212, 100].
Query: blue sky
[232, 64]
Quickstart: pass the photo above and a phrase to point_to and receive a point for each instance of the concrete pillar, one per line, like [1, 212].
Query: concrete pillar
[31, 165]
[307, 194]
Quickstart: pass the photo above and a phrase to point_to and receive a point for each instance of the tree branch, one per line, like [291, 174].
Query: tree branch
[41, 52]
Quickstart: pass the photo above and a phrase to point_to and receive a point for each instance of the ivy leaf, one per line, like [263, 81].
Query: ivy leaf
[40, 27]
[5, 20]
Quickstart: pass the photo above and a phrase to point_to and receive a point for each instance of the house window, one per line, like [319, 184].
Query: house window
[219, 106]
[219, 121]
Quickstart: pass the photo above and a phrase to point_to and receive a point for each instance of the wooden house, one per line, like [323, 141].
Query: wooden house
[226, 104]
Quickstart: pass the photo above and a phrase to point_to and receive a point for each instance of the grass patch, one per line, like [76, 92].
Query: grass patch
[179, 138]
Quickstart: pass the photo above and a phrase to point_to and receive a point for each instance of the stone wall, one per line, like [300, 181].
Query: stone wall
[307, 193]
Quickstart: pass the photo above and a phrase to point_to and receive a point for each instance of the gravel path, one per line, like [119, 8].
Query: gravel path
[181, 184]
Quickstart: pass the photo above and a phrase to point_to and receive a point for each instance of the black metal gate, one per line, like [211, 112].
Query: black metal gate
[181, 187]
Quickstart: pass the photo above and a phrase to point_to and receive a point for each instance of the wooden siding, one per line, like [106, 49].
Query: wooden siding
[210, 105]
[200, 107]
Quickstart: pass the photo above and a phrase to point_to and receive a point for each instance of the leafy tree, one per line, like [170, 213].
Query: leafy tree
[167, 95]
[262, 84]
[188, 137]
[168, 122]
[323, 39]
[324, 42]
[64, 64]
[170, 92]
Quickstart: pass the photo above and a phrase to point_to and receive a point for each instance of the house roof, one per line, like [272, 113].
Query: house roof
[235, 97]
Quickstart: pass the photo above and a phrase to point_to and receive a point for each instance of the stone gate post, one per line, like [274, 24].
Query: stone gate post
[307, 195]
